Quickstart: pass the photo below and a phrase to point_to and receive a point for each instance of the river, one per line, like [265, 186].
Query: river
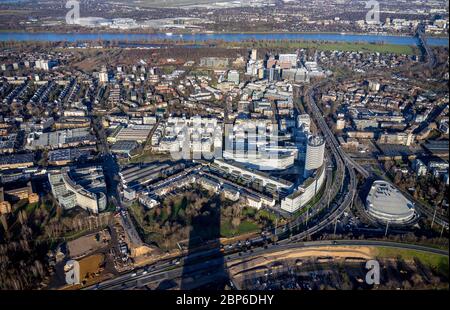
[229, 37]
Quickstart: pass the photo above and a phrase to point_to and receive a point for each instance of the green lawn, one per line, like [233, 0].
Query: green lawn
[227, 230]
[267, 215]
[247, 211]
[435, 261]
[332, 46]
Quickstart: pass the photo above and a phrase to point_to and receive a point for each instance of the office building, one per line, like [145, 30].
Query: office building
[291, 59]
[233, 76]
[305, 192]
[315, 152]
[83, 187]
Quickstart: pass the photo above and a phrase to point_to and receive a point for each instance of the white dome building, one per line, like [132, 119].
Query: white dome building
[387, 204]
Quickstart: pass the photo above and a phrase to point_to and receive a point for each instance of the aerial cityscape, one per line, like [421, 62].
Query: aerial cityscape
[218, 145]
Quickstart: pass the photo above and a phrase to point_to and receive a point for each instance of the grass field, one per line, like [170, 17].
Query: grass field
[172, 3]
[331, 46]
[227, 230]
[435, 261]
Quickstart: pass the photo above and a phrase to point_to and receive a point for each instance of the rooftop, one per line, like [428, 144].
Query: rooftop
[387, 203]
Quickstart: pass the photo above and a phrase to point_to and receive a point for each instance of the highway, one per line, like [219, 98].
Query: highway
[206, 269]
[429, 54]
[343, 190]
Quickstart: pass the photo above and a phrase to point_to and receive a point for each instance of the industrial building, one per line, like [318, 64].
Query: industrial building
[138, 133]
[124, 147]
[63, 157]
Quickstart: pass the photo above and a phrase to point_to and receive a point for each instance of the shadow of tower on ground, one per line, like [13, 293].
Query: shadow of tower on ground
[200, 272]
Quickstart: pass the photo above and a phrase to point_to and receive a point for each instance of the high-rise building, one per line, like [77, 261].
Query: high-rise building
[233, 76]
[254, 54]
[374, 86]
[254, 66]
[315, 151]
[272, 74]
[103, 76]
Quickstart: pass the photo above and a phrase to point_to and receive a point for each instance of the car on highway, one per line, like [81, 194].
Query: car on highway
[176, 262]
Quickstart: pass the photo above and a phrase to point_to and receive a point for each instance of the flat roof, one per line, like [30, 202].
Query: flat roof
[385, 199]
[242, 167]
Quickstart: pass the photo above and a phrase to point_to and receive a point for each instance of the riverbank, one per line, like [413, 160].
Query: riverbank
[216, 37]
[176, 32]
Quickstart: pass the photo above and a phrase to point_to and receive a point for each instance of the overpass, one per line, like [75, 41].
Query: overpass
[423, 44]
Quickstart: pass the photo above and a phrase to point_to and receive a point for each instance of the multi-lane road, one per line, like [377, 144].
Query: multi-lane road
[207, 266]
[344, 186]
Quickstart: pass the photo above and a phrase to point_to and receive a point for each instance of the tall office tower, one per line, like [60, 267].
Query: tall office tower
[103, 75]
[315, 151]
[254, 54]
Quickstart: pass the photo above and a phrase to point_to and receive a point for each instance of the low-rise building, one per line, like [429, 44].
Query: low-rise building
[60, 139]
[63, 157]
[16, 161]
